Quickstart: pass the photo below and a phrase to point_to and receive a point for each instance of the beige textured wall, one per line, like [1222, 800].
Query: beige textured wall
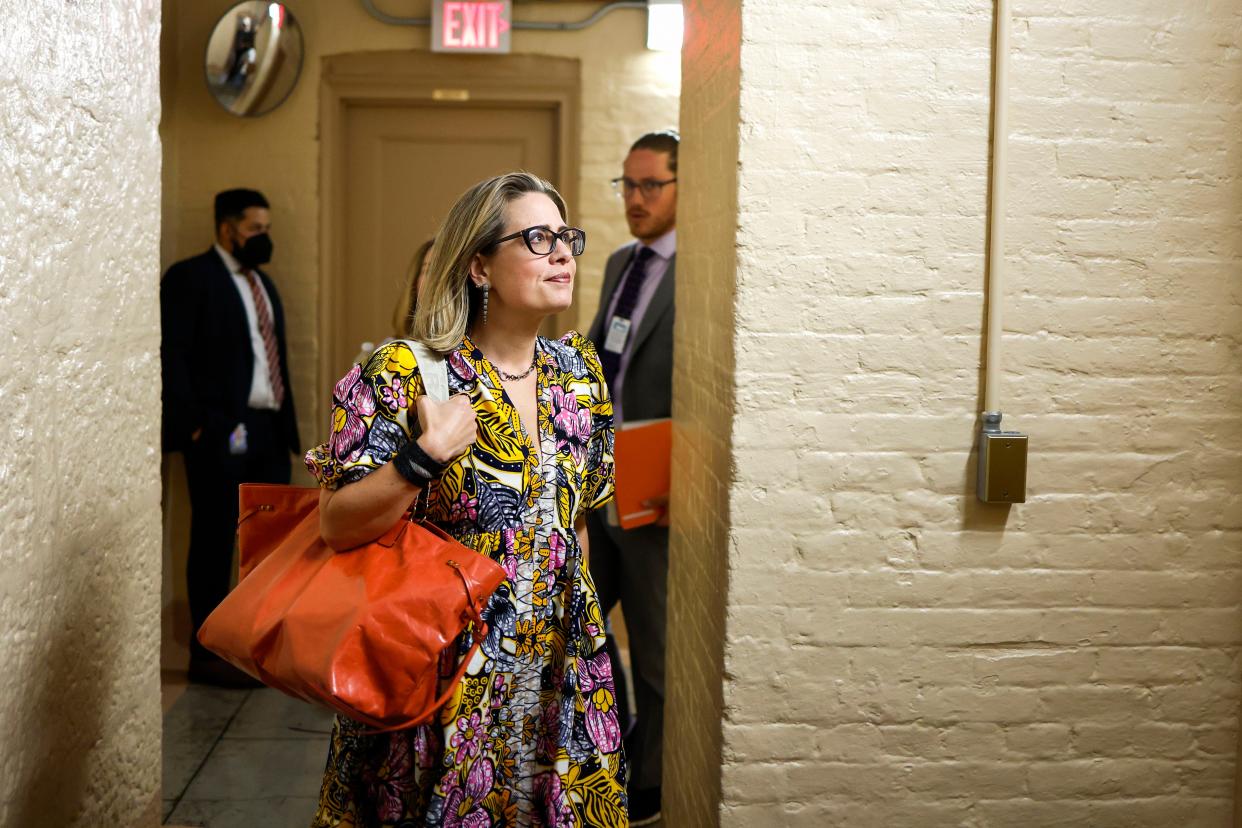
[898, 654]
[79, 514]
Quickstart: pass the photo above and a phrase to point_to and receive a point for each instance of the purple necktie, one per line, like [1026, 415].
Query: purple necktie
[631, 286]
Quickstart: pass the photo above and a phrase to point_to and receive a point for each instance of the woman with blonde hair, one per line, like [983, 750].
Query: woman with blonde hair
[511, 463]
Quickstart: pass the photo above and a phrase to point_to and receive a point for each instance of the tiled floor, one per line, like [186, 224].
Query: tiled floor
[241, 758]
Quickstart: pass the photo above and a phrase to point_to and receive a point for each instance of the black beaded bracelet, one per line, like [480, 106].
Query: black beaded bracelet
[416, 465]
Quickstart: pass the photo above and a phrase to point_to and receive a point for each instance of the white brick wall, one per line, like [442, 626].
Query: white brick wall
[897, 653]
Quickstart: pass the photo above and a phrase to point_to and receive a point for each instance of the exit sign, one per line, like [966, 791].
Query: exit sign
[471, 26]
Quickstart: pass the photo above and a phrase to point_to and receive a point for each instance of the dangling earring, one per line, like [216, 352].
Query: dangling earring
[486, 288]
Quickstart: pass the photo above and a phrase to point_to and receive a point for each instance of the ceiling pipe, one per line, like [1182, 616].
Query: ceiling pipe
[534, 25]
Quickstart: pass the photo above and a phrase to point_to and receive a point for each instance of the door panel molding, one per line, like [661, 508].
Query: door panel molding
[452, 81]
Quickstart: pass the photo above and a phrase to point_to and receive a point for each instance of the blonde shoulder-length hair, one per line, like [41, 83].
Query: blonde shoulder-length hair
[448, 300]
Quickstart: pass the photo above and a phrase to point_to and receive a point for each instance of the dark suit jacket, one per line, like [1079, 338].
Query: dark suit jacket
[207, 357]
[648, 388]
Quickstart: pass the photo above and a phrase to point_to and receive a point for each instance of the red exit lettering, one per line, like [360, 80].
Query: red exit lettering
[473, 25]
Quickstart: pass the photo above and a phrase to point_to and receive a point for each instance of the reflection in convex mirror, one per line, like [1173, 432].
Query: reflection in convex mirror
[254, 57]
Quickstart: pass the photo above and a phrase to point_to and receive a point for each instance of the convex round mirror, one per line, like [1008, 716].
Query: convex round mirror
[254, 57]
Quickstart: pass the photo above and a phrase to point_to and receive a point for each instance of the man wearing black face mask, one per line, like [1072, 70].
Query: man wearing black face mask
[227, 401]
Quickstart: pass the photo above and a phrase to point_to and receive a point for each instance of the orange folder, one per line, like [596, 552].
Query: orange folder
[641, 455]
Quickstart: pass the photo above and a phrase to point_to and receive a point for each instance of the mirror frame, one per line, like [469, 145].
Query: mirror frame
[294, 25]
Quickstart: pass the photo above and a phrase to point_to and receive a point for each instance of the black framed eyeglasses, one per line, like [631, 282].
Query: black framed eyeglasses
[648, 187]
[541, 240]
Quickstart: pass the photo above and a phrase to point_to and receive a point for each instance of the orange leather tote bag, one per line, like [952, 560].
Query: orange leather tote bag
[360, 632]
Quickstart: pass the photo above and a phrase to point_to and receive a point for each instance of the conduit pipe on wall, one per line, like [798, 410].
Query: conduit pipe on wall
[1002, 454]
[996, 212]
[549, 26]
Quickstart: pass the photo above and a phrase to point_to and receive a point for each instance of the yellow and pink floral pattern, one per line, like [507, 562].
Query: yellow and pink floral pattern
[531, 736]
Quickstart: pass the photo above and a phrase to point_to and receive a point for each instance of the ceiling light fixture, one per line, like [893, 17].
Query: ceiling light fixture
[665, 25]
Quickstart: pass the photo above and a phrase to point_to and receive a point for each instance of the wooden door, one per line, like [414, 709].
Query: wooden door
[402, 134]
[404, 164]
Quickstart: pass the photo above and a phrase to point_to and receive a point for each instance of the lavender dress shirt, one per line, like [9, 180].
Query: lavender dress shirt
[663, 248]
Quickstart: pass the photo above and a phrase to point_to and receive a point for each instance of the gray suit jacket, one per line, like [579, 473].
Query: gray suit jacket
[648, 390]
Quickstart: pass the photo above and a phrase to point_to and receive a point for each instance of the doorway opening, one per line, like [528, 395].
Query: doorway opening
[365, 158]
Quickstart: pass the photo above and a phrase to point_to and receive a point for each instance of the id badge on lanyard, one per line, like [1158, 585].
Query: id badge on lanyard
[618, 334]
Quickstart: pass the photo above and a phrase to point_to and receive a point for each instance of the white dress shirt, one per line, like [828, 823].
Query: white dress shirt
[261, 393]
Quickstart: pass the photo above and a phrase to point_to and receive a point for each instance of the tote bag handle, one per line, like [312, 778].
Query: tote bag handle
[433, 368]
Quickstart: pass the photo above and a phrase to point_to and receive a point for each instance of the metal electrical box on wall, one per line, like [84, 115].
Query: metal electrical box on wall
[471, 26]
[1002, 467]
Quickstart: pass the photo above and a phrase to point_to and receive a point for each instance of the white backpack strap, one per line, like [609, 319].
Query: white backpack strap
[434, 370]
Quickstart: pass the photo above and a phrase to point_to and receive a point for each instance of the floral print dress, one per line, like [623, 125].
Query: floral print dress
[530, 737]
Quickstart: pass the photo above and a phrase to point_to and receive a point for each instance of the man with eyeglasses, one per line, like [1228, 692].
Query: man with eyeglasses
[633, 333]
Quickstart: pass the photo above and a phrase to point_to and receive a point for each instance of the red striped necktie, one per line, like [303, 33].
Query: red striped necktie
[267, 329]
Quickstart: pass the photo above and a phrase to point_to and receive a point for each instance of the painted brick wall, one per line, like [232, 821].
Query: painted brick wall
[80, 383]
[897, 653]
[703, 411]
